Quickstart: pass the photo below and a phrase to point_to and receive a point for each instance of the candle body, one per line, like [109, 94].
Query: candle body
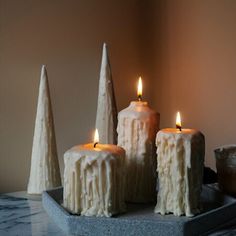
[180, 158]
[94, 180]
[44, 171]
[106, 118]
[137, 127]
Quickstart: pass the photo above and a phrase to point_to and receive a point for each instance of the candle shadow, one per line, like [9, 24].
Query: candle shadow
[212, 198]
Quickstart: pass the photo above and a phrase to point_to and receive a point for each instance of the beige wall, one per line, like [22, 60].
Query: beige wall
[195, 49]
[185, 50]
[67, 36]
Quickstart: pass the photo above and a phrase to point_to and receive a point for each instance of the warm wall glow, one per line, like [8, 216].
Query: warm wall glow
[140, 88]
[178, 121]
[96, 137]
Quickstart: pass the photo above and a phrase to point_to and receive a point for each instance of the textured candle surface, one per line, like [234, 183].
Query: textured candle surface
[106, 118]
[44, 172]
[94, 180]
[180, 158]
[137, 127]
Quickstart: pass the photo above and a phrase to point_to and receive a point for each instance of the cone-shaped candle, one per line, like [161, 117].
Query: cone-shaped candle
[44, 173]
[106, 119]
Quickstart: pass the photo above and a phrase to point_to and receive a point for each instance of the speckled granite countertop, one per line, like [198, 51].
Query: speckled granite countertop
[21, 216]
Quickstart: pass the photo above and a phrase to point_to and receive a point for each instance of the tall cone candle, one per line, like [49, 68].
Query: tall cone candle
[106, 119]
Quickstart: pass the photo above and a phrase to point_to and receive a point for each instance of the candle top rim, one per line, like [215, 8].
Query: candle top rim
[177, 131]
[138, 109]
[139, 103]
[89, 147]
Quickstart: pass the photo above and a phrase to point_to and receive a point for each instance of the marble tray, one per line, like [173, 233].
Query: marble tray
[218, 210]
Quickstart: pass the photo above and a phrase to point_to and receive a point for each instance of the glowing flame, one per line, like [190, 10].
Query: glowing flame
[96, 137]
[178, 121]
[140, 88]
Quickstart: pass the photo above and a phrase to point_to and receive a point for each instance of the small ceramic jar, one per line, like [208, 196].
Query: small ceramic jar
[226, 168]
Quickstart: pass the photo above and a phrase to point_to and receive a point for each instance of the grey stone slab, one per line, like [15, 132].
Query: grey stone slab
[140, 219]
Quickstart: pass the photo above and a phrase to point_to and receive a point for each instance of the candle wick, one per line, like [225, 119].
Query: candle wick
[139, 98]
[179, 127]
[95, 144]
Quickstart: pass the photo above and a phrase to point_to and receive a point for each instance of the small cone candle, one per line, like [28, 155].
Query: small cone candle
[44, 172]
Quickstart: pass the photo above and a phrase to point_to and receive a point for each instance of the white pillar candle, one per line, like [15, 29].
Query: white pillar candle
[44, 172]
[94, 180]
[106, 118]
[180, 158]
[137, 127]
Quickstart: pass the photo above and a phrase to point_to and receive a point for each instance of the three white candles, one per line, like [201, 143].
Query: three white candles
[137, 128]
[94, 179]
[180, 158]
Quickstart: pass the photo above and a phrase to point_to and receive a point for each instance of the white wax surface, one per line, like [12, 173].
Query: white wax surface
[44, 172]
[106, 118]
[94, 180]
[180, 158]
[137, 127]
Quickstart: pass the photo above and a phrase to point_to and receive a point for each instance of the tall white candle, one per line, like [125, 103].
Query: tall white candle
[180, 158]
[106, 118]
[137, 127]
[94, 180]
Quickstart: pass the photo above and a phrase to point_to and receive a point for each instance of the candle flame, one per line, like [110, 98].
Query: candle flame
[96, 138]
[178, 121]
[140, 88]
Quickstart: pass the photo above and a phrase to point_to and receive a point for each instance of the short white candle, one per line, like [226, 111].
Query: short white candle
[180, 158]
[94, 179]
[137, 128]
